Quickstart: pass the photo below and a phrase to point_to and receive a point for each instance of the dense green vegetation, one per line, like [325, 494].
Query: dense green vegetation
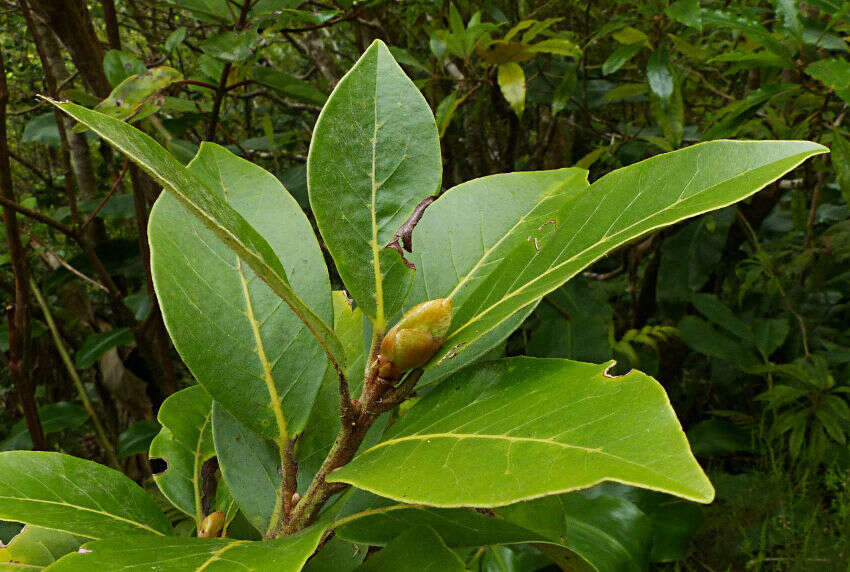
[741, 313]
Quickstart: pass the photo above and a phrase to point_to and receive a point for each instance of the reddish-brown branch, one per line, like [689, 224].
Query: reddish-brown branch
[18, 313]
[108, 196]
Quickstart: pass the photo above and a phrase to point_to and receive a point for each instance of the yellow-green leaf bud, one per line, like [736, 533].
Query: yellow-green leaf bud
[211, 525]
[415, 338]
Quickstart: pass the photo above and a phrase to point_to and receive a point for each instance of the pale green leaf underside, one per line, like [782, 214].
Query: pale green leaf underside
[522, 428]
[375, 154]
[221, 317]
[66, 493]
[571, 228]
[174, 554]
[185, 443]
[227, 224]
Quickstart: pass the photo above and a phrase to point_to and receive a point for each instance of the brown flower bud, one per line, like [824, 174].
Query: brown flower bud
[415, 338]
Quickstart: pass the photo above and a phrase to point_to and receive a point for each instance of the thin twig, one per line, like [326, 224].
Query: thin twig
[40, 217]
[75, 377]
[117, 182]
[63, 262]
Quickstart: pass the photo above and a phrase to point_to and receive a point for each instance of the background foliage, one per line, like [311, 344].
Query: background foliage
[741, 314]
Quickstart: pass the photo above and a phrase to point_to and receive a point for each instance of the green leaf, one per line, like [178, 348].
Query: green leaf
[35, 548]
[42, 129]
[221, 317]
[185, 443]
[690, 257]
[95, 345]
[288, 85]
[608, 532]
[249, 464]
[686, 12]
[574, 323]
[133, 98]
[175, 38]
[564, 91]
[377, 521]
[208, 206]
[375, 154]
[715, 437]
[54, 417]
[574, 225]
[790, 16]
[470, 222]
[446, 111]
[65, 493]
[118, 66]
[621, 56]
[832, 72]
[660, 75]
[769, 334]
[324, 423]
[232, 46]
[511, 80]
[416, 550]
[841, 163]
[719, 313]
[137, 438]
[588, 426]
[173, 554]
[701, 337]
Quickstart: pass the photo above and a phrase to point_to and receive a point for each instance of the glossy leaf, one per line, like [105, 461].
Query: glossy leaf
[118, 66]
[841, 163]
[65, 493]
[35, 548]
[573, 225]
[95, 345]
[659, 75]
[587, 426]
[417, 550]
[610, 533]
[232, 46]
[511, 81]
[606, 532]
[175, 38]
[174, 554]
[54, 417]
[249, 464]
[137, 438]
[621, 57]
[832, 72]
[375, 154]
[686, 12]
[221, 317]
[185, 443]
[288, 85]
[215, 213]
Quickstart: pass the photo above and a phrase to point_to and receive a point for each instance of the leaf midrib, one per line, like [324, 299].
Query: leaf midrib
[464, 436]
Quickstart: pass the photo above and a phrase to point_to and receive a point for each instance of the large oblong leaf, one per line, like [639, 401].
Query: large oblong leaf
[375, 154]
[215, 213]
[521, 428]
[185, 442]
[175, 554]
[570, 229]
[57, 491]
[230, 328]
